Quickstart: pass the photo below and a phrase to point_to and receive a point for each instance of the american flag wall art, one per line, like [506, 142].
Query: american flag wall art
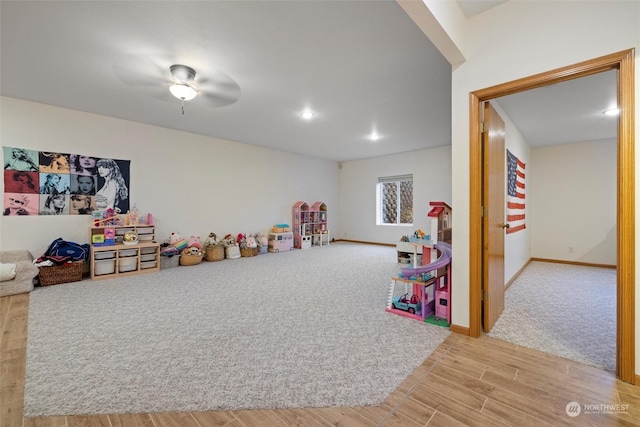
[515, 193]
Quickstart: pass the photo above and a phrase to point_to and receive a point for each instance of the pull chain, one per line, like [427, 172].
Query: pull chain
[183, 106]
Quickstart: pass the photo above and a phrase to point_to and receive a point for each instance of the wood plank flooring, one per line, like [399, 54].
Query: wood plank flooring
[465, 382]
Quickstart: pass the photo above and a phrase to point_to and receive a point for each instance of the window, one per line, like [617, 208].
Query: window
[395, 200]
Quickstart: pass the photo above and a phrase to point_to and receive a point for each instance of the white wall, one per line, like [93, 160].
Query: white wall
[511, 41]
[507, 43]
[573, 202]
[191, 184]
[431, 169]
[516, 245]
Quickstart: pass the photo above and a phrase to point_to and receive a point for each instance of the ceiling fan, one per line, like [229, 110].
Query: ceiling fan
[216, 87]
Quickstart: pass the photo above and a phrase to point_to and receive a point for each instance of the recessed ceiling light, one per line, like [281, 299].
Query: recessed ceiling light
[374, 136]
[611, 112]
[307, 114]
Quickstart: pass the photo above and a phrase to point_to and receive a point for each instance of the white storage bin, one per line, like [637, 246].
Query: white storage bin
[105, 255]
[123, 231]
[127, 252]
[148, 264]
[145, 251]
[145, 237]
[148, 257]
[128, 264]
[104, 267]
[145, 230]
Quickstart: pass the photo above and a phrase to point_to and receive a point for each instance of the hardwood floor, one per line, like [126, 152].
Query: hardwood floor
[465, 382]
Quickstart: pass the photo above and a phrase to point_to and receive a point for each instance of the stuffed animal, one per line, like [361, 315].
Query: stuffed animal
[212, 240]
[194, 242]
[229, 240]
[263, 240]
[192, 250]
[231, 249]
[177, 241]
[251, 242]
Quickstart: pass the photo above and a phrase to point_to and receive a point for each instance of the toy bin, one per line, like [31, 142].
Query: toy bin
[63, 273]
[128, 264]
[248, 252]
[105, 255]
[147, 264]
[105, 266]
[214, 253]
[169, 261]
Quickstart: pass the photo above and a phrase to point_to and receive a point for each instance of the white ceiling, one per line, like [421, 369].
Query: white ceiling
[360, 65]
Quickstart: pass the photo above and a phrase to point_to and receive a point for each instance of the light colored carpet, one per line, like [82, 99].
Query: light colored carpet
[565, 310]
[306, 328]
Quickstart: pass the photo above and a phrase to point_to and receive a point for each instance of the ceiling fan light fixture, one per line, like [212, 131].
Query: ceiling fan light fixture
[182, 91]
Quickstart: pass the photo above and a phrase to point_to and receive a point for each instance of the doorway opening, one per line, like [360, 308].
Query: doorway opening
[623, 63]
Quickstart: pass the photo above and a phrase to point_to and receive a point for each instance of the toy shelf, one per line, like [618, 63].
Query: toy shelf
[110, 257]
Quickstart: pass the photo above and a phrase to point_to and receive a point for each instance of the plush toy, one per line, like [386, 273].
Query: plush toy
[229, 240]
[263, 240]
[167, 250]
[194, 242]
[212, 240]
[231, 249]
[250, 241]
[192, 250]
[177, 241]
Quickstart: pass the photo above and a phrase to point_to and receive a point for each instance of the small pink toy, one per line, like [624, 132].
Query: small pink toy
[194, 242]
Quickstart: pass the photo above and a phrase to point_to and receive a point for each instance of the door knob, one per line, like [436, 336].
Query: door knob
[504, 225]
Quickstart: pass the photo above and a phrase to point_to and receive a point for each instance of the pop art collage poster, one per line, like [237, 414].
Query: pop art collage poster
[49, 183]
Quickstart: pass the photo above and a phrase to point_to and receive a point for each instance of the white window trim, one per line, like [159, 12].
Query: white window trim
[382, 180]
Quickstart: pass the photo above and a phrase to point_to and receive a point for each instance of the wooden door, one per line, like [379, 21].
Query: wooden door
[493, 220]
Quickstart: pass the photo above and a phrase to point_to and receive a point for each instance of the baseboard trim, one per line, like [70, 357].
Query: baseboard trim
[585, 264]
[462, 330]
[366, 243]
[518, 273]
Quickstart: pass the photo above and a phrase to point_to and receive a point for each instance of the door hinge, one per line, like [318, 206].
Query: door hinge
[483, 126]
[484, 211]
[485, 295]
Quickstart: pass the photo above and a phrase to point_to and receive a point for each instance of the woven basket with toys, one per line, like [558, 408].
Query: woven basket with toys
[191, 256]
[248, 245]
[213, 248]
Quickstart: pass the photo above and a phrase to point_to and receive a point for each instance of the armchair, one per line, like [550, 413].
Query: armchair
[25, 272]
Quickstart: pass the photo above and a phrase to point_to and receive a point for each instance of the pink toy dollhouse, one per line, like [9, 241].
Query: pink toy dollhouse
[430, 281]
[310, 225]
[301, 231]
[440, 216]
[318, 223]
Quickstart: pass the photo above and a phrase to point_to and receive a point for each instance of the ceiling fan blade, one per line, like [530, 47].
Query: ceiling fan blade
[140, 71]
[220, 99]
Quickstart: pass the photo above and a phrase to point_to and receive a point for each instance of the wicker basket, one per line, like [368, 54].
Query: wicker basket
[187, 258]
[214, 253]
[63, 273]
[246, 252]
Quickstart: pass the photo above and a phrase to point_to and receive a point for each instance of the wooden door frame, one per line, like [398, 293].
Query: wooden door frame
[623, 62]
